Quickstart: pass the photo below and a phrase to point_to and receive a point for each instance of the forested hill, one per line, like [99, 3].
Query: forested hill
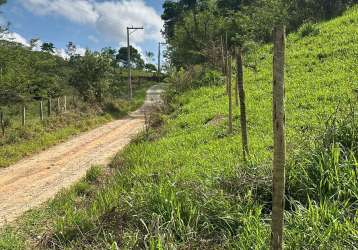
[26, 74]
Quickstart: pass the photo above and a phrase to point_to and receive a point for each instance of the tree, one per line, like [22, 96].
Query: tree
[48, 47]
[110, 53]
[33, 43]
[71, 49]
[149, 56]
[89, 76]
[136, 58]
[171, 16]
[150, 67]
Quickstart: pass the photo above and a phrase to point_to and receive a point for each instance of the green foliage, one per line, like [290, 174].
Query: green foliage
[150, 67]
[194, 28]
[329, 170]
[48, 47]
[28, 74]
[308, 29]
[89, 76]
[94, 173]
[192, 77]
[136, 58]
[11, 240]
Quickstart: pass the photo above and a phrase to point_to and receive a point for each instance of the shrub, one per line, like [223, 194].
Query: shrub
[308, 29]
[193, 77]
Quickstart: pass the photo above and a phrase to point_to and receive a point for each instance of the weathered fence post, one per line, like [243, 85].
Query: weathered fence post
[237, 85]
[229, 93]
[49, 107]
[240, 87]
[74, 102]
[226, 62]
[41, 110]
[2, 123]
[58, 105]
[23, 115]
[279, 153]
[65, 103]
[223, 56]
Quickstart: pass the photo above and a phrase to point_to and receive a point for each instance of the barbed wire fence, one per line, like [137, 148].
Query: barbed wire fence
[23, 114]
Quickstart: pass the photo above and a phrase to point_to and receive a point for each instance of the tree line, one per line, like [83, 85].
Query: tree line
[193, 28]
[26, 74]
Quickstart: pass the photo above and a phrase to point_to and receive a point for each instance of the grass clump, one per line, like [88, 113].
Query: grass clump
[308, 29]
[94, 173]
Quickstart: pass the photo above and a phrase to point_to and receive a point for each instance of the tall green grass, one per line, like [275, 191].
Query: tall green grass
[190, 188]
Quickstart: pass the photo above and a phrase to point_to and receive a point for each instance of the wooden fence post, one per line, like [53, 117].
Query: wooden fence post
[226, 62]
[2, 123]
[23, 115]
[49, 107]
[229, 93]
[74, 102]
[279, 153]
[240, 87]
[223, 57]
[41, 110]
[58, 105]
[65, 103]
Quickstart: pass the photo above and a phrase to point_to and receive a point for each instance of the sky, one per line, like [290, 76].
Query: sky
[91, 24]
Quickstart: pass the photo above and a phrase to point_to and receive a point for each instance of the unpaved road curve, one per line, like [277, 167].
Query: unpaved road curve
[36, 179]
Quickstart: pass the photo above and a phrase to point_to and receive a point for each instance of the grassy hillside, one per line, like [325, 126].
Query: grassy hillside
[189, 188]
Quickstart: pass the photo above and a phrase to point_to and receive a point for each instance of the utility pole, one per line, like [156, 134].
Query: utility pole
[159, 57]
[130, 91]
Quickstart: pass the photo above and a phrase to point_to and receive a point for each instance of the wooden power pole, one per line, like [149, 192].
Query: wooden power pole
[159, 58]
[158, 61]
[279, 151]
[130, 90]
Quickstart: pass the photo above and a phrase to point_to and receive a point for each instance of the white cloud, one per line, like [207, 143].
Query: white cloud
[15, 37]
[81, 11]
[62, 52]
[110, 18]
[80, 51]
[115, 17]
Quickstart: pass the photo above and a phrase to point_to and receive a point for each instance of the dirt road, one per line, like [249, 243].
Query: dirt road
[34, 180]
